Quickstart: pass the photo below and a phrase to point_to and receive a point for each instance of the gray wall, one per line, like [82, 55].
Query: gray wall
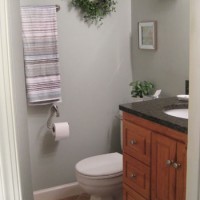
[168, 66]
[19, 98]
[96, 71]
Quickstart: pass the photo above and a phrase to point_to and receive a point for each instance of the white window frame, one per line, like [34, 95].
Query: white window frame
[193, 151]
[10, 187]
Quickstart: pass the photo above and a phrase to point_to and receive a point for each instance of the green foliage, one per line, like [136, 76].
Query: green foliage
[94, 11]
[141, 88]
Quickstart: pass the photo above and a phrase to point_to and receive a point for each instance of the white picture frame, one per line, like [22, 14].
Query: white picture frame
[147, 32]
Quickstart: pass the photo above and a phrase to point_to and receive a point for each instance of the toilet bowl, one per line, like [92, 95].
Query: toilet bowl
[101, 176]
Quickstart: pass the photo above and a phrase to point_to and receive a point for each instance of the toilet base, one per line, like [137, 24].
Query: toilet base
[117, 197]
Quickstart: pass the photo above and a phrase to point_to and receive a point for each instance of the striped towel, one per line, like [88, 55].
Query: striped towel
[41, 59]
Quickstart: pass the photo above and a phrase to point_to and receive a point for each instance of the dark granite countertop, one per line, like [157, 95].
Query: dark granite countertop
[153, 110]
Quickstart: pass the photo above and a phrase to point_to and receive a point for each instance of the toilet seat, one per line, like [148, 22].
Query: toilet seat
[101, 166]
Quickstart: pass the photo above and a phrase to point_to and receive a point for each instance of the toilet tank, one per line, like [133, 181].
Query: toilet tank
[121, 128]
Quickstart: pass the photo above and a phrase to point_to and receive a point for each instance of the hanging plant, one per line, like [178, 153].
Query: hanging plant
[94, 11]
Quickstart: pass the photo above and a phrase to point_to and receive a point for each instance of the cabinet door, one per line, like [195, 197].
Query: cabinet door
[181, 171]
[163, 175]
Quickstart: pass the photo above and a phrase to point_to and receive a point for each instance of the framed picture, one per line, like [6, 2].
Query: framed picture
[147, 35]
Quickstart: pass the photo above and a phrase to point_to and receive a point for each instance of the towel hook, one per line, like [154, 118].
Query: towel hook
[53, 112]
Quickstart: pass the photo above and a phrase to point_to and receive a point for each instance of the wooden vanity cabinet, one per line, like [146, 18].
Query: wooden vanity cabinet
[154, 161]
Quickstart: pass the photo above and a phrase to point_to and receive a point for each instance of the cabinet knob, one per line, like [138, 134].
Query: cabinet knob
[169, 162]
[176, 165]
[133, 141]
[133, 175]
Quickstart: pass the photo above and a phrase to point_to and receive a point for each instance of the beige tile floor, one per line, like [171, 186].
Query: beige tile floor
[79, 197]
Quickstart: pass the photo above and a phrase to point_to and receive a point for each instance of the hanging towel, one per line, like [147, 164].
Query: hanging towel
[39, 26]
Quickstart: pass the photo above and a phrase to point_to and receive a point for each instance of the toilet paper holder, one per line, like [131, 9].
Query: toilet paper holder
[54, 112]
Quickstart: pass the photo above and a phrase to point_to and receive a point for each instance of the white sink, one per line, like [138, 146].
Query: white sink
[181, 112]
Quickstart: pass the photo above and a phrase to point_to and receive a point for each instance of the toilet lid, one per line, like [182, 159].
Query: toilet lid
[101, 165]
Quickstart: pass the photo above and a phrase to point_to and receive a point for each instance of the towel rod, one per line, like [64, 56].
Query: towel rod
[57, 8]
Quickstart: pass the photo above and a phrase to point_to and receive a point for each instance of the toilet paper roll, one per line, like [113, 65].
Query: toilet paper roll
[60, 130]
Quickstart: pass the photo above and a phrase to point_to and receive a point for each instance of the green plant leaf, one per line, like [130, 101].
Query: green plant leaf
[94, 11]
[141, 88]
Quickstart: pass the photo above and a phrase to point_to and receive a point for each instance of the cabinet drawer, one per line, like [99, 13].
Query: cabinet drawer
[130, 194]
[137, 141]
[136, 175]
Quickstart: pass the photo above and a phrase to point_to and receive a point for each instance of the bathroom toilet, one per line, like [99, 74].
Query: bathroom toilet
[101, 176]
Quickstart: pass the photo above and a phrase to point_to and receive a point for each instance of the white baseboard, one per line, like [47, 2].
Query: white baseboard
[58, 192]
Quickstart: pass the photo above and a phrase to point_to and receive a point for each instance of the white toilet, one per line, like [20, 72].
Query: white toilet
[101, 176]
